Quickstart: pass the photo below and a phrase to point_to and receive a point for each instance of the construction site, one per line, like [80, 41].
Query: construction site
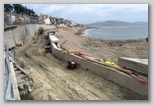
[57, 63]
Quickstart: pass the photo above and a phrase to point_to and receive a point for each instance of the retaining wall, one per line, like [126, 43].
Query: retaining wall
[140, 65]
[22, 33]
[105, 72]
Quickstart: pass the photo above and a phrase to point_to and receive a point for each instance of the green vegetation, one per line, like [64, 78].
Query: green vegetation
[19, 9]
[8, 7]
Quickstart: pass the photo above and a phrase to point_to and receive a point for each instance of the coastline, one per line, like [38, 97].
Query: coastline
[83, 33]
[115, 33]
[52, 74]
[99, 48]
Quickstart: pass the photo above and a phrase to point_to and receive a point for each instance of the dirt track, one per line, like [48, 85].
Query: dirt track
[53, 81]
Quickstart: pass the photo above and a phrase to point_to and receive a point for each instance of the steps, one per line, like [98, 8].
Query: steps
[24, 80]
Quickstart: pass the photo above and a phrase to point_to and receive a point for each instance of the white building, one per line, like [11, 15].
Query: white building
[47, 20]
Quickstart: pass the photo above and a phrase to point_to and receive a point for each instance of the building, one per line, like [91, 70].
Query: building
[53, 20]
[47, 20]
[13, 18]
[44, 19]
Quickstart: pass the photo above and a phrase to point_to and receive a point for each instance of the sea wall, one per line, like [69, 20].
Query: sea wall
[22, 33]
[27, 31]
[105, 72]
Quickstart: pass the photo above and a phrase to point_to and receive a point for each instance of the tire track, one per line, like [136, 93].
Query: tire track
[53, 81]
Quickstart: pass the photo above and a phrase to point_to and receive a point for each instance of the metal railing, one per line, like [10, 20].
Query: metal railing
[9, 93]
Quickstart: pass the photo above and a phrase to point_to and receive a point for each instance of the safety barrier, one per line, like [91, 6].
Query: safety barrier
[11, 92]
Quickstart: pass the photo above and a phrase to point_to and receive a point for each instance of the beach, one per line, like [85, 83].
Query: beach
[53, 81]
[50, 54]
[99, 48]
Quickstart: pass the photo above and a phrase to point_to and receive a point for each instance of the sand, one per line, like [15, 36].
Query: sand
[53, 81]
[102, 49]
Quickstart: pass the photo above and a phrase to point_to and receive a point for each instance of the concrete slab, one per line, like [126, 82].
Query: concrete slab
[53, 39]
[140, 65]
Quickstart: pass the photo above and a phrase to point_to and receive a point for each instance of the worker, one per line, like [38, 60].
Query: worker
[41, 30]
[36, 32]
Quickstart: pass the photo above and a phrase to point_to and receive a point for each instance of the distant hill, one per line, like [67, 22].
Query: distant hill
[116, 23]
[140, 23]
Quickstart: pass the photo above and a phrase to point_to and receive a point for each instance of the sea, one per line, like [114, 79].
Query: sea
[117, 32]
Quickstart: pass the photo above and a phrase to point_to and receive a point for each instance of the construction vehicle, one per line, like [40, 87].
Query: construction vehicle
[72, 65]
[51, 32]
[41, 30]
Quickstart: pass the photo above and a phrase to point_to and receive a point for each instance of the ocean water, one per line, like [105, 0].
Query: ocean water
[118, 32]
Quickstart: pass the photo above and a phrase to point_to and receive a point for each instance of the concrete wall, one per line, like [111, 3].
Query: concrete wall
[22, 33]
[105, 72]
[140, 65]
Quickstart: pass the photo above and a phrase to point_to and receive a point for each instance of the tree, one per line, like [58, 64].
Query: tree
[21, 9]
[8, 7]
[33, 13]
[29, 12]
[17, 8]
[26, 10]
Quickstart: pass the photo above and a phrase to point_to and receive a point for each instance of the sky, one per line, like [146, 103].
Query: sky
[90, 13]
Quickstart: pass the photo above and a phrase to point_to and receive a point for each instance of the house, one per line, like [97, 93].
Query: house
[6, 19]
[27, 18]
[44, 19]
[13, 18]
[47, 20]
[69, 23]
[65, 22]
[22, 20]
[10, 18]
[60, 22]
[53, 20]
[40, 19]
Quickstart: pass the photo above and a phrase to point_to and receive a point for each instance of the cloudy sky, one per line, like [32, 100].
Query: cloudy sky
[89, 13]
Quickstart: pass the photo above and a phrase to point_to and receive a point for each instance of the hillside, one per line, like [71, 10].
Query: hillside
[140, 23]
[116, 23]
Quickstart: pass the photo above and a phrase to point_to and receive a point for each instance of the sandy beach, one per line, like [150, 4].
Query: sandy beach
[53, 81]
[99, 48]
[76, 66]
